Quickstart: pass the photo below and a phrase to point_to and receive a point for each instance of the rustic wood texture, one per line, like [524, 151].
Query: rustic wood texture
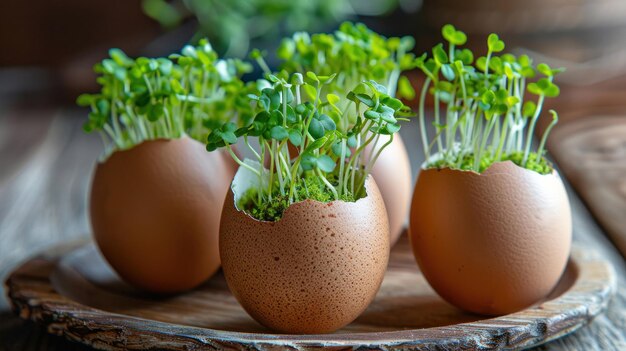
[76, 295]
[45, 167]
[530, 16]
[592, 153]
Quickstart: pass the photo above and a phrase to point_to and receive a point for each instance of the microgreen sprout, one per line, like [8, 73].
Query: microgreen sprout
[354, 53]
[152, 98]
[298, 109]
[339, 99]
[480, 112]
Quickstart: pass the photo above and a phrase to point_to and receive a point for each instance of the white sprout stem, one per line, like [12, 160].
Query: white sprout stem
[254, 152]
[240, 162]
[503, 135]
[531, 128]
[356, 157]
[437, 121]
[271, 177]
[327, 183]
[373, 148]
[544, 138]
[487, 65]
[353, 170]
[284, 163]
[263, 65]
[393, 82]
[450, 130]
[372, 162]
[422, 118]
[111, 134]
[116, 125]
[342, 161]
[168, 122]
[522, 122]
[261, 179]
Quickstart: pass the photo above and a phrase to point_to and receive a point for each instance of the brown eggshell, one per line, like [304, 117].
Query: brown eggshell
[392, 172]
[491, 243]
[313, 271]
[155, 212]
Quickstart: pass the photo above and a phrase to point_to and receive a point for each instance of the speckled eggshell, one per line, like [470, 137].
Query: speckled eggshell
[392, 172]
[491, 243]
[313, 271]
[155, 212]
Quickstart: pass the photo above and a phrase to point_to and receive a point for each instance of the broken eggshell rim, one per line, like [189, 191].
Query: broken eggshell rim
[245, 179]
[108, 154]
[493, 169]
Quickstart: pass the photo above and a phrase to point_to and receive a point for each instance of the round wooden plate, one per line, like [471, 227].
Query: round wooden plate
[74, 293]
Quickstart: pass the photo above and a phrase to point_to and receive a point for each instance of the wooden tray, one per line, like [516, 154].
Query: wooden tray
[590, 148]
[74, 293]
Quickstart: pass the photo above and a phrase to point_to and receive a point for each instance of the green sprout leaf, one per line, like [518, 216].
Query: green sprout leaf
[120, 57]
[308, 161]
[286, 50]
[332, 99]
[297, 79]
[393, 103]
[548, 71]
[448, 72]
[529, 109]
[392, 128]
[325, 163]
[337, 147]
[316, 129]
[312, 77]
[494, 43]
[405, 89]
[295, 137]
[544, 86]
[279, 133]
[544, 69]
[85, 100]
[440, 54]
[366, 99]
[453, 36]
[256, 54]
[372, 115]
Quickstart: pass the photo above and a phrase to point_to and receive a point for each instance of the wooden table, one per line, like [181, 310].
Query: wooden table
[45, 170]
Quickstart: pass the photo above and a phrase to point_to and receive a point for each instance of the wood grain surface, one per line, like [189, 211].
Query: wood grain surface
[43, 185]
[592, 153]
[74, 292]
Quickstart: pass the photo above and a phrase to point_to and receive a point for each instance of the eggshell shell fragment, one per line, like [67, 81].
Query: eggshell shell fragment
[392, 172]
[491, 243]
[313, 271]
[155, 212]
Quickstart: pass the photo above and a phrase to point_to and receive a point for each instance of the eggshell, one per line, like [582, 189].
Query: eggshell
[392, 172]
[313, 271]
[155, 212]
[491, 243]
[393, 176]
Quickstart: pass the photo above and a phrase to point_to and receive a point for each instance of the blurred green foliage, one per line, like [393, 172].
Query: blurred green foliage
[231, 25]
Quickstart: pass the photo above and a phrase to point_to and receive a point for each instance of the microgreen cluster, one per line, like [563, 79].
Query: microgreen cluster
[151, 98]
[297, 110]
[339, 106]
[480, 112]
[354, 53]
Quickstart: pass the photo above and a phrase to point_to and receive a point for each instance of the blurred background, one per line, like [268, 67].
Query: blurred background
[48, 48]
